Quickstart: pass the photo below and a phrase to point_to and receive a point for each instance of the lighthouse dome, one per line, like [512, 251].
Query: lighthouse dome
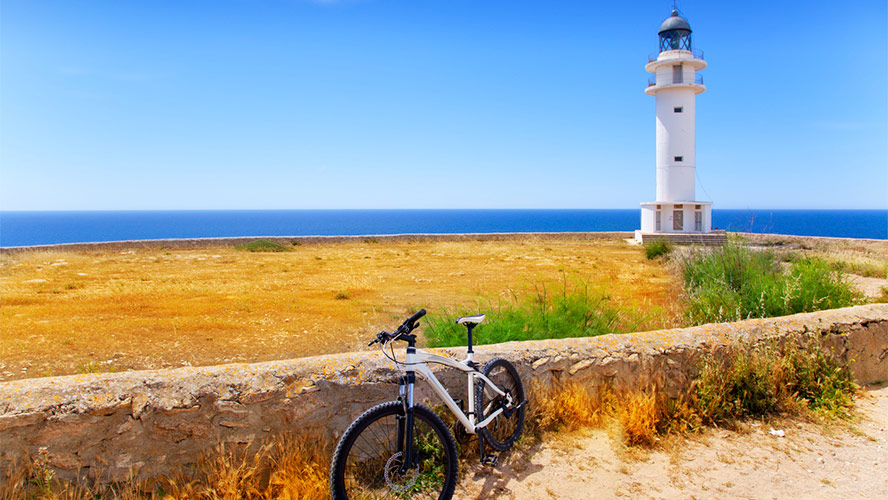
[674, 22]
[675, 33]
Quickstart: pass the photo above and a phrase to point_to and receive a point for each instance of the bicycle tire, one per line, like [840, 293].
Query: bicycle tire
[503, 431]
[363, 464]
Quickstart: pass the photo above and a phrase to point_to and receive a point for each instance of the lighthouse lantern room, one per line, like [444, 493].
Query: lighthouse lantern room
[675, 86]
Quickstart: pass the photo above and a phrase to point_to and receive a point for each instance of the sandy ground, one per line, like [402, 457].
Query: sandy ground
[811, 461]
[871, 287]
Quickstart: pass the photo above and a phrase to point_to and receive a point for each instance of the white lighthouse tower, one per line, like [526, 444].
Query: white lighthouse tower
[675, 214]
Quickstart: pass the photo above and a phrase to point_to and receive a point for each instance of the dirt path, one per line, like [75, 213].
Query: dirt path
[811, 461]
[871, 287]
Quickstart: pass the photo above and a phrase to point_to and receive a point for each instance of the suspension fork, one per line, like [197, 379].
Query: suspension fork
[405, 423]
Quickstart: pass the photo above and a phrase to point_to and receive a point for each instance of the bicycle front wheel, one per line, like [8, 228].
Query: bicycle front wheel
[367, 461]
[505, 429]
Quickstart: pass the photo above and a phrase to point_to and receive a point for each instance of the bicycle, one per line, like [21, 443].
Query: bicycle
[403, 449]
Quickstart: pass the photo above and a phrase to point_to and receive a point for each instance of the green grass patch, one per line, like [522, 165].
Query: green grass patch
[263, 246]
[576, 310]
[655, 249]
[732, 283]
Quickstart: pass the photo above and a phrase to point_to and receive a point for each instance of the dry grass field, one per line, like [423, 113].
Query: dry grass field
[66, 312]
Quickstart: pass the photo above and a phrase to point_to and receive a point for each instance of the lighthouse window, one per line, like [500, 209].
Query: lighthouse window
[659, 224]
[679, 158]
[698, 221]
[676, 73]
[679, 109]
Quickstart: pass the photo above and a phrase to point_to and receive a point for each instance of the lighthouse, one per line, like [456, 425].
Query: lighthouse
[675, 215]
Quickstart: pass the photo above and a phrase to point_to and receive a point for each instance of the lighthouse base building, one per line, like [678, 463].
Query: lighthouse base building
[676, 217]
[675, 84]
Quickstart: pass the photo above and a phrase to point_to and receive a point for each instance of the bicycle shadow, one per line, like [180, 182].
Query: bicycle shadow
[514, 465]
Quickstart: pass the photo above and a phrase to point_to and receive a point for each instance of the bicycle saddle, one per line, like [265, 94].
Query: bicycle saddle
[470, 320]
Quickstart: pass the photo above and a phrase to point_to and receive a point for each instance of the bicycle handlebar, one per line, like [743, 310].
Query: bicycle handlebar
[406, 327]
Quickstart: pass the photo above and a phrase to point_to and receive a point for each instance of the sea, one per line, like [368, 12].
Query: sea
[21, 228]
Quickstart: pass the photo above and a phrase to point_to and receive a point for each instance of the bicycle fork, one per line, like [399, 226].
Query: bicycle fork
[405, 423]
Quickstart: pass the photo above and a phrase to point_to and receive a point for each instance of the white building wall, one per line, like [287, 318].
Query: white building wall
[675, 138]
[647, 219]
[667, 217]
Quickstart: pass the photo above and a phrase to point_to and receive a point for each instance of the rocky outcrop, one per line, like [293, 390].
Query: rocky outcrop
[151, 423]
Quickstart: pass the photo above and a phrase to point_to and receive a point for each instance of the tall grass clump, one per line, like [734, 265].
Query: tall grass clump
[569, 407]
[760, 381]
[733, 283]
[658, 248]
[573, 311]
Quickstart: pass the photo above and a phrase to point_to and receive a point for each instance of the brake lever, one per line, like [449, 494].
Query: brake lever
[379, 336]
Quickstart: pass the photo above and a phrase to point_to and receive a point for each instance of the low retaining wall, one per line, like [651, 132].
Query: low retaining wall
[152, 423]
[187, 243]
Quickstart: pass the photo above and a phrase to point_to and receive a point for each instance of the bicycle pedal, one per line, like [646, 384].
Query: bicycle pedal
[489, 460]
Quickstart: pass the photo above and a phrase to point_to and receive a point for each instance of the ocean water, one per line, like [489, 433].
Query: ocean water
[43, 228]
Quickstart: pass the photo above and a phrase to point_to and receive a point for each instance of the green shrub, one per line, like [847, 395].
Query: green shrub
[573, 312]
[757, 381]
[263, 246]
[819, 380]
[657, 248]
[733, 283]
[741, 386]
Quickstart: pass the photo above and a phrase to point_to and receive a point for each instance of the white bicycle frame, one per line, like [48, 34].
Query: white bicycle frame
[415, 362]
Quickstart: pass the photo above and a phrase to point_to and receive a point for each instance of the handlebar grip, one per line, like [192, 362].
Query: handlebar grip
[412, 319]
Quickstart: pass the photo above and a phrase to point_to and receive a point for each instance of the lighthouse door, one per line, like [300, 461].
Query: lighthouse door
[678, 220]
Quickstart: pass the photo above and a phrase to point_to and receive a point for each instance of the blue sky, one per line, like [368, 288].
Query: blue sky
[239, 104]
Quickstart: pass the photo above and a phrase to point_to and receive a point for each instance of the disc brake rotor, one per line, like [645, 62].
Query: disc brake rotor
[393, 464]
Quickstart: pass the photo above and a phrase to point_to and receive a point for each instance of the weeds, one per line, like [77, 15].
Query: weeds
[263, 246]
[868, 268]
[753, 382]
[658, 248]
[638, 415]
[577, 311]
[733, 283]
[765, 380]
[570, 407]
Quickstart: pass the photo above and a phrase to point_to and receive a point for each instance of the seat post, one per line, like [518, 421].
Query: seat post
[470, 326]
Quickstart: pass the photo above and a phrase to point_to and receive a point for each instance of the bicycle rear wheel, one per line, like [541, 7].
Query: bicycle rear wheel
[367, 459]
[506, 428]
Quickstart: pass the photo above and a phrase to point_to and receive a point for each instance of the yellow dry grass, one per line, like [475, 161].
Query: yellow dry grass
[66, 312]
[634, 414]
[287, 467]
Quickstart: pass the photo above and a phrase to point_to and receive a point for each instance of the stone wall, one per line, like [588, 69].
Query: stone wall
[158, 422]
[189, 243]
